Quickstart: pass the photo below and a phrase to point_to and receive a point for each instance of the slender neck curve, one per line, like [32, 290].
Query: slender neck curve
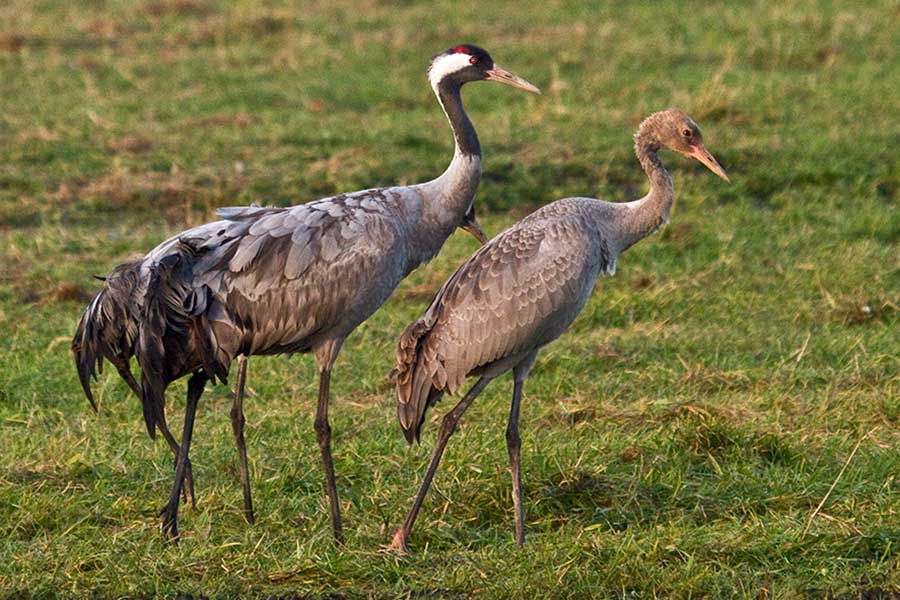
[647, 215]
[450, 195]
[448, 94]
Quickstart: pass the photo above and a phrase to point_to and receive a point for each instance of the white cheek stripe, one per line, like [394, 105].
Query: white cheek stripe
[446, 64]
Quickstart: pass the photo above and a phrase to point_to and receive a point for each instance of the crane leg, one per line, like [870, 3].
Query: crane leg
[326, 353]
[169, 525]
[513, 446]
[514, 443]
[323, 435]
[237, 425]
[448, 426]
[188, 489]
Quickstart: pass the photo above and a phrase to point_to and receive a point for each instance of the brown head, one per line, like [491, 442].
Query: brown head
[676, 131]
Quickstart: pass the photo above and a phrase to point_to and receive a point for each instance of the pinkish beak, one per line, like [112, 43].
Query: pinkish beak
[701, 154]
[503, 76]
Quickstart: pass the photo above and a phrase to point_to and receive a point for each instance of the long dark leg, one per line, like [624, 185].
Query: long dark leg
[169, 525]
[323, 435]
[513, 446]
[188, 487]
[188, 490]
[237, 425]
[448, 426]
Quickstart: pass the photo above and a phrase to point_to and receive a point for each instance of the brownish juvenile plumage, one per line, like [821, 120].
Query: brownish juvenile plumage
[498, 306]
[521, 291]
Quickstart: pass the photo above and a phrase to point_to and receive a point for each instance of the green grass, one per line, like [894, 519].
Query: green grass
[675, 441]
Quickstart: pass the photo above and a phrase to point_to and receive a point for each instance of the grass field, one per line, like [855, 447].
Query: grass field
[676, 441]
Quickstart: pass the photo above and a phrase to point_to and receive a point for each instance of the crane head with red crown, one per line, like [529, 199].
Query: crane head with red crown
[467, 62]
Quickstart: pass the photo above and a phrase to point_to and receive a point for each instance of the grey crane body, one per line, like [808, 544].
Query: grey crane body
[521, 291]
[279, 280]
[286, 280]
[514, 295]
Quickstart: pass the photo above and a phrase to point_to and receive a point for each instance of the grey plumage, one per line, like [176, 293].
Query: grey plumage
[95, 338]
[282, 280]
[522, 290]
[288, 280]
[517, 293]
[108, 330]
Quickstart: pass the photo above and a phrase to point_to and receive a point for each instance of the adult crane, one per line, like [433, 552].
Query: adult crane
[282, 280]
[522, 290]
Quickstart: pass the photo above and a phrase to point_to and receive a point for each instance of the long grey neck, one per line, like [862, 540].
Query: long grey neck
[642, 217]
[448, 93]
[448, 197]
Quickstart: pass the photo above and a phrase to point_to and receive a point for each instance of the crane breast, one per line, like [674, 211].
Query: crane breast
[516, 294]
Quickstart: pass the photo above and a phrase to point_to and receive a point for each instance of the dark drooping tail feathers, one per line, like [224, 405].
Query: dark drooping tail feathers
[417, 387]
[173, 336]
[108, 327]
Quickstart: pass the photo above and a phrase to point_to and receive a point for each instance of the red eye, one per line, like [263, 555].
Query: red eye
[473, 60]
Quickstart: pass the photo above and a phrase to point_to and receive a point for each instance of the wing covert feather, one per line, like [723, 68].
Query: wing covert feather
[509, 297]
[290, 273]
[515, 294]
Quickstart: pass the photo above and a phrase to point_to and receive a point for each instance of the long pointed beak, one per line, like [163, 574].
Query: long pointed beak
[470, 225]
[503, 76]
[702, 155]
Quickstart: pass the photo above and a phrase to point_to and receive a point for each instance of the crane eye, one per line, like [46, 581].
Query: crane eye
[473, 60]
[687, 133]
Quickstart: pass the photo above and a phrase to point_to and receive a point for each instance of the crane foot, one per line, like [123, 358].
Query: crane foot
[169, 525]
[398, 544]
[187, 488]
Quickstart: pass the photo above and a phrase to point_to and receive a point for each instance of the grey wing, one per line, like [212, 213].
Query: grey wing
[284, 275]
[519, 294]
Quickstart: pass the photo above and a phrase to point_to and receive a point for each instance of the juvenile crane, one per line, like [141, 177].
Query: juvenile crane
[281, 280]
[521, 291]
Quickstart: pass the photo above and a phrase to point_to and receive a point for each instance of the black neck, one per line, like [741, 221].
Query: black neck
[448, 92]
